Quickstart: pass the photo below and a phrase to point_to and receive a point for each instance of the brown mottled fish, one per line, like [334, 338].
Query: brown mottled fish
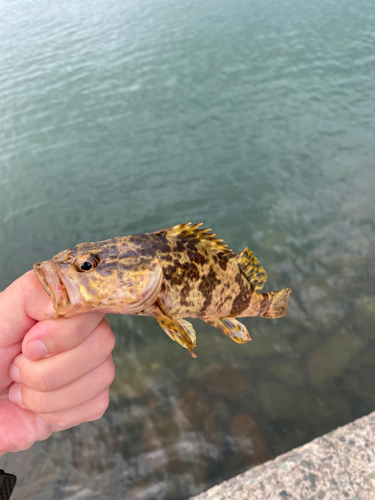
[174, 273]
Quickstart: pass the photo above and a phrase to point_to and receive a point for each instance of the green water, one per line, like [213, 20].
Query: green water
[255, 118]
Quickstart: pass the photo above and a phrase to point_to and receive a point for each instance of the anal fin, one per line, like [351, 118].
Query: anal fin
[231, 327]
[250, 266]
[179, 330]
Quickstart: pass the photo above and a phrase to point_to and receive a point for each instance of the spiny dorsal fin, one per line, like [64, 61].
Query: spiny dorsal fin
[201, 237]
[250, 266]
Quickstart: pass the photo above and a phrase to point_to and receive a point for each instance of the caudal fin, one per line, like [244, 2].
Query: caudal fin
[278, 303]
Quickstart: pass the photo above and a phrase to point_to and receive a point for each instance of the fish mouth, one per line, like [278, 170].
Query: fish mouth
[49, 278]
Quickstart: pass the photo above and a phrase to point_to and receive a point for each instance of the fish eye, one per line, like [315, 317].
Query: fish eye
[86, 266]
[86, 263]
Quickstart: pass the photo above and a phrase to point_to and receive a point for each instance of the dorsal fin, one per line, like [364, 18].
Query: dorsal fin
[201, 237]
[250, 266]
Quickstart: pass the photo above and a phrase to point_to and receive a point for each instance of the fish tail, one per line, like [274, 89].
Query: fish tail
[277, 304]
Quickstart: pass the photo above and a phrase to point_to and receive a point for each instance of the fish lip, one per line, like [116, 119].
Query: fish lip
[49, 278]
[46, 273]
[38, 271]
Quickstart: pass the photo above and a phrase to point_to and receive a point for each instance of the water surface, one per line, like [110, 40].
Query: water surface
[256, 119]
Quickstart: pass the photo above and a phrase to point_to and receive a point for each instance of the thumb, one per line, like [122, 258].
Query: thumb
[22, 304]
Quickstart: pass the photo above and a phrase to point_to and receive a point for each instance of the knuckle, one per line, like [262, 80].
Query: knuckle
[106, 373]
[36, 401]
[25, 282]
[111, 339]
[106, 336]
[37, 380]
[101, 406]
[101, 342]
[53, 418]
[111, 370]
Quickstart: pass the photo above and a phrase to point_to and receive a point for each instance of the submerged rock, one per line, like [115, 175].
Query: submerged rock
[94, 447]
[358, 381]
[195, 407]
[305, 343]
[290, 371]
[365, 310]
[279, 400]
[225, 381]
[332, 356]
[249, 439]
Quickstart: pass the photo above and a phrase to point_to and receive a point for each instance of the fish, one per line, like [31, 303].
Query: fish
[178, 272]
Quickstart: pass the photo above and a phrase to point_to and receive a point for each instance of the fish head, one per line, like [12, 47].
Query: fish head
[93, 276]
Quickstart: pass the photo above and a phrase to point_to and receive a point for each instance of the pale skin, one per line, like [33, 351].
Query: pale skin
[54, 374]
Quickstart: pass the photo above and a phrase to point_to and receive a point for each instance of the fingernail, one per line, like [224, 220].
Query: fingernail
[14, 373]
[15, 394]
[36, 350]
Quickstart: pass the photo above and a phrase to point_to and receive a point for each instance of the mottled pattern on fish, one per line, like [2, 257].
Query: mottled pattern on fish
[171, 274]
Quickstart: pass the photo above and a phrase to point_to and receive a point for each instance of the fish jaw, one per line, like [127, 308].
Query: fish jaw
[49, 278]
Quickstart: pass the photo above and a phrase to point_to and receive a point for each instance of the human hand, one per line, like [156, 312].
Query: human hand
[51, 388]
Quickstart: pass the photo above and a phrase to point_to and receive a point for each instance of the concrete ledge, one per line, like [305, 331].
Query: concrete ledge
[337, 466]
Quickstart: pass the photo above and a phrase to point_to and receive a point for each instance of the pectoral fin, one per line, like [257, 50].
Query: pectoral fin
[231, 327]
[179, 330]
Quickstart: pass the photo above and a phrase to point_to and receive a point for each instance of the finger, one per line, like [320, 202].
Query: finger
[51, 337]
[69, 396]
[20, 428]
[22, 304]
[52, 373]
[86, 412]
